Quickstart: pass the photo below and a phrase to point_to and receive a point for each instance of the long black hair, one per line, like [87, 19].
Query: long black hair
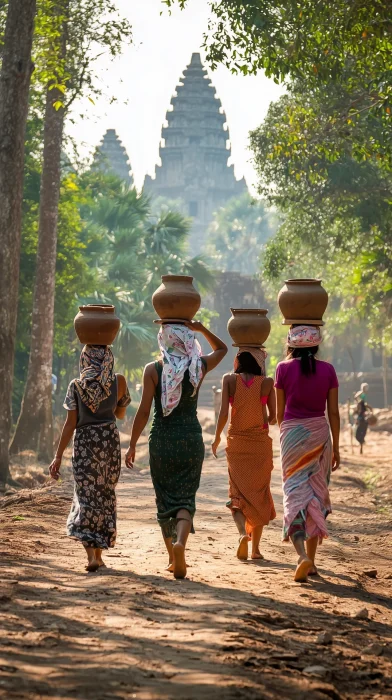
[247, 364]
[307, 357]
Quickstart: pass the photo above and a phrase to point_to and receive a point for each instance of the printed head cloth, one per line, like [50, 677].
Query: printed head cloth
[304, 337]
[259, 354]
[180, 352]
[96, 368]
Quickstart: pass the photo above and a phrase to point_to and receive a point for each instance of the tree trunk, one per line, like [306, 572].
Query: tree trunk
[385, 376]
[14, 93]
[34, 429]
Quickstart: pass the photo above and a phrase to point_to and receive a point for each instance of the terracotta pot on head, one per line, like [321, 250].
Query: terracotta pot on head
[303, 301]
[97, 324]
[176, 300]
[249, 327]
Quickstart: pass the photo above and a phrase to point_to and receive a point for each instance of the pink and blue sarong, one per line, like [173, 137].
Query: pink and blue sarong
[306, 452]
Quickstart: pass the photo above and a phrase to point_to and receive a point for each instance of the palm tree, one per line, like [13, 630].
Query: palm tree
[238, 234]
[131, 247]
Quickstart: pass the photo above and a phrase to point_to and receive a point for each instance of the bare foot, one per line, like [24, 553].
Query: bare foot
[242, 551]
[302, 570]
[313, 571]
[179, 565]
[170, 566]
[257, 555]
[92, 565]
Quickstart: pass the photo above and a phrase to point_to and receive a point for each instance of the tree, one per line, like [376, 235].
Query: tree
[337, 220]
[15, 77]
[335, 43]
[64, 32]
[130, 244]
[34, 426]
[238, 234]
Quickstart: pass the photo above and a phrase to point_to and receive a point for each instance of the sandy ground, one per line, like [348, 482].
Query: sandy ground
[230, 630]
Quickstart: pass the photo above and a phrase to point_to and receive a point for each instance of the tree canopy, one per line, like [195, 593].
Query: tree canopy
[343, 44]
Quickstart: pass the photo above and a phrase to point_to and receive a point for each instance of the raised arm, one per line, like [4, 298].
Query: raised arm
[223, 413]
[219, 348]
[143, 413]
[334, 422]
[280, 404]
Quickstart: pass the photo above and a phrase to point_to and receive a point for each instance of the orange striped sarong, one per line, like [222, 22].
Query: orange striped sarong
[249, 457]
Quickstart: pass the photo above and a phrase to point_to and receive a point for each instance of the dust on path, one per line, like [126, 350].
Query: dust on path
[231, 630]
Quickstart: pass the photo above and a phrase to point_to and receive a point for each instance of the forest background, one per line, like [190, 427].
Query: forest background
[323, 158]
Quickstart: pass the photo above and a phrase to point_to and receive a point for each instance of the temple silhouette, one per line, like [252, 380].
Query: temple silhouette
[194, 153]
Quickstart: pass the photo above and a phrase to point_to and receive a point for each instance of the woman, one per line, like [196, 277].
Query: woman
[249, 447]
[93, 402]
[304, 387]
[176, 442]
[362, 411]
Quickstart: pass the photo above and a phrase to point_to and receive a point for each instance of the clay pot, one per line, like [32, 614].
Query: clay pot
[176, 299]
[249, 327]
[372, 419]
[303, 301]
[96, 324]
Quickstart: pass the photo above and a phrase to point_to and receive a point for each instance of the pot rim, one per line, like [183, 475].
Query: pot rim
[303, 280]
[105, 308]
[177, 278]
[260, 312]
[303, 322]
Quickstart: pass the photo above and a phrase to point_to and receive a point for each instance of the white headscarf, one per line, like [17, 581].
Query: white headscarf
[180, 352]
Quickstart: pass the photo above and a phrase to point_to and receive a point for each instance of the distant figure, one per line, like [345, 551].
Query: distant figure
[54, 383]
[362, 411]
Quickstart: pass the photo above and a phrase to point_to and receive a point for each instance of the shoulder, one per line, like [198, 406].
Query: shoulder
[71, 387]
[70, 400]
[327, 366]
[285, 363]
[150, 369]
[282, 367]
[121, 381]
[230, 378]
[151, 372]
[268, 383]
[331, 371]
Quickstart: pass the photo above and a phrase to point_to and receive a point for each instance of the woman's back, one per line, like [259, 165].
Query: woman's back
[105, 412]
[185, 413]
[306, 395]
[247, 407]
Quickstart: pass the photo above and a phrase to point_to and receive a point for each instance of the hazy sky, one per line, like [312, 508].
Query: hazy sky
[144, 78]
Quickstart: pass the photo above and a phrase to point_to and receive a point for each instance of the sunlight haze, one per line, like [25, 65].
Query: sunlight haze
[144, 78]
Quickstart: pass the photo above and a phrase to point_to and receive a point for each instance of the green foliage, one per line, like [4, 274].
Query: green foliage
[130, 246]
[344, 46]
[337, 216]
[238, 234]
[92, 27]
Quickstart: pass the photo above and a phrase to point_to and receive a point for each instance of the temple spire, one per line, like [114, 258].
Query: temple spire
[111, 156]
[194, 152]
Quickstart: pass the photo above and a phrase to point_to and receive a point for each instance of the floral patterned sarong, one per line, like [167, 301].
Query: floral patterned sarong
[96, 464]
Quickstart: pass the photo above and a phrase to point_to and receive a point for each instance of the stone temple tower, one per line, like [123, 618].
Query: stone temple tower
[111, 156]
[194, 153]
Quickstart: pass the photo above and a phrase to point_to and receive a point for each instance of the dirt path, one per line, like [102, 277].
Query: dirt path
[231, 630]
